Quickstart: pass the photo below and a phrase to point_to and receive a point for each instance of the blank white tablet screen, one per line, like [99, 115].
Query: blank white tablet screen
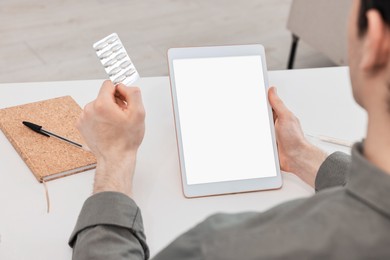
[224, 119]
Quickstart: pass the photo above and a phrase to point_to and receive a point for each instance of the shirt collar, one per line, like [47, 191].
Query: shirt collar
[368, 182]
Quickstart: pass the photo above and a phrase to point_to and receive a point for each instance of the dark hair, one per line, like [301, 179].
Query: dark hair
[383, 6]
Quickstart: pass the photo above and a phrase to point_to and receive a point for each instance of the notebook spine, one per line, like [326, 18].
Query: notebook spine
[25, 158]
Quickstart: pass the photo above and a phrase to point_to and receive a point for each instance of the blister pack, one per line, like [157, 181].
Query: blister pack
[115, 60]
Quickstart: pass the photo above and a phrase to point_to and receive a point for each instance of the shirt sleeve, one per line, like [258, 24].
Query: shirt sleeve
[109, 227]
[333, 171]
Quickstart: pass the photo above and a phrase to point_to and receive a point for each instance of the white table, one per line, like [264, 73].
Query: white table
[321, 98]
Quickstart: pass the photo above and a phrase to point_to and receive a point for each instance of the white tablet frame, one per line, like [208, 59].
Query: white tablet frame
[226, 187]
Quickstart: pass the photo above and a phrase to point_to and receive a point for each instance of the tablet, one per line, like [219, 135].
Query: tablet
[224, 123]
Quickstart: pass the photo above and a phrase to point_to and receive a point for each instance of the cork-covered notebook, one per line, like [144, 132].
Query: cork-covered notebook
[47, 157]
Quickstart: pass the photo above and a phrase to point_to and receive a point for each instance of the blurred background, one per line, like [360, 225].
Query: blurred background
[52, 40]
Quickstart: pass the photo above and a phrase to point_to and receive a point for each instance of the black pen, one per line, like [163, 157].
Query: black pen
[40, 130]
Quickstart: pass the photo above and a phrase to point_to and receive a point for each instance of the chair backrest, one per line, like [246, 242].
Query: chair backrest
[323, 25]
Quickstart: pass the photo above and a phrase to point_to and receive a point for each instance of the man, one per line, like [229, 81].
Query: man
[348, 218]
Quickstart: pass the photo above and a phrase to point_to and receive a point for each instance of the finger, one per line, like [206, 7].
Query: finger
[274, 115]
[87, 108]
[276, 103]
[120, 102]
[106, 100]
[107, 90]
[119, 96]
[131, 95]
[81, 121]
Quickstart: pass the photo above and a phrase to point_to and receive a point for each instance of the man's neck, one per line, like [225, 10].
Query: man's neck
[377, 143]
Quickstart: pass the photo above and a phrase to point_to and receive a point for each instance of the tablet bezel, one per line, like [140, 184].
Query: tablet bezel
[226, 187]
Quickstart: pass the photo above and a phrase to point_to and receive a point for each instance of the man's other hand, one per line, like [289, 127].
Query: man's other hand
[296, 154]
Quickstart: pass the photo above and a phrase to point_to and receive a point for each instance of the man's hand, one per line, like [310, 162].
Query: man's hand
[113, 126]
[296, 154]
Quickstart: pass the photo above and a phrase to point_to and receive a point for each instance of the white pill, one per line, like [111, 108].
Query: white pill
[112, 39]
[109, 63]
[105, 54]
[120, 56]
[101, 46]
[119, 79]
[116, 48]
[129, 72]
[114, 71]
[125, 64]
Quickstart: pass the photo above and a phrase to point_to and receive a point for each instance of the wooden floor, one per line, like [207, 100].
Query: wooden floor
[51, 40]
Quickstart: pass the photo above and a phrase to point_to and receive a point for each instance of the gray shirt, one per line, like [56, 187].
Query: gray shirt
[348, 218]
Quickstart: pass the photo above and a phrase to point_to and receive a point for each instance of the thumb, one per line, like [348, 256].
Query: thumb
[276, 103]
[107, 90]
